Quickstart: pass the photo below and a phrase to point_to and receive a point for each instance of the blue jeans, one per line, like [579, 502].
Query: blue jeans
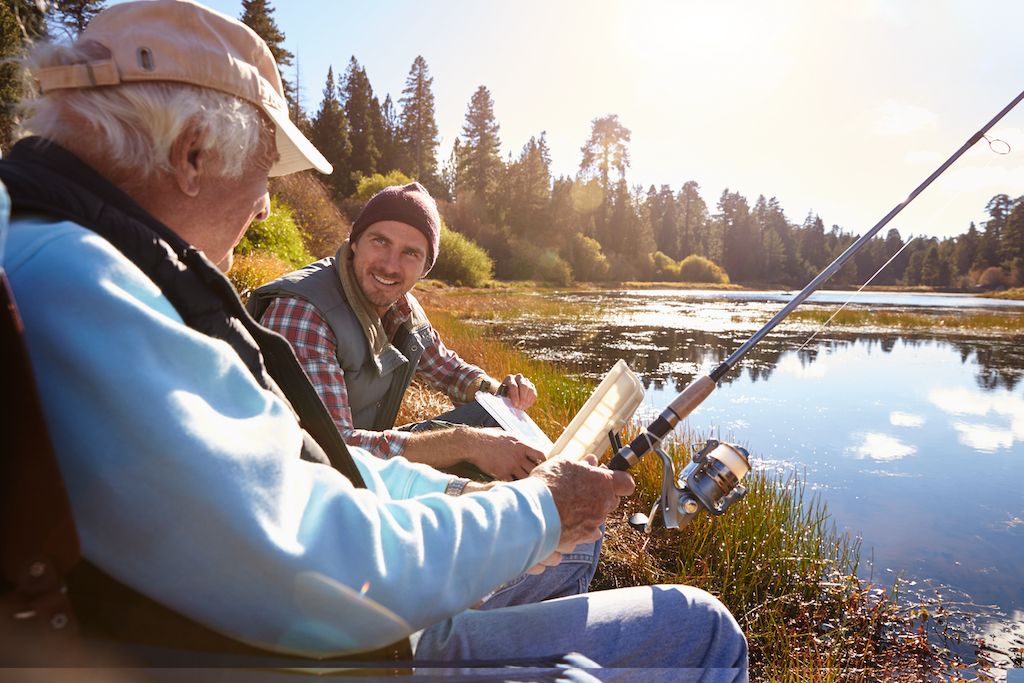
[660, 633]
[572, 576]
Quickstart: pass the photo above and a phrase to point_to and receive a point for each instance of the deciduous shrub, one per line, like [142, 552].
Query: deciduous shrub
[585, 257]
[324, 225]
[461, 261]
[695, 268]
[993, 277]
[249, 271]
[278, 235]
[553, 268]
[665, 267]
[372, 184]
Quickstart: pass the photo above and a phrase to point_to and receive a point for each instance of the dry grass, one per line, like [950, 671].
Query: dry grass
[249, 271]
[323, 224]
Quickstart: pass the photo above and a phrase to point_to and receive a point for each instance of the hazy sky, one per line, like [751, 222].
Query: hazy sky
[840, 107]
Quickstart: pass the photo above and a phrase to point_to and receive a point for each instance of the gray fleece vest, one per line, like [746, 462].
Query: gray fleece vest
[375, 384]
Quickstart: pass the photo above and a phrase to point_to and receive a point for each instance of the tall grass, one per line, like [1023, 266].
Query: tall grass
[774, 559]
[861, 318]
[559, 394]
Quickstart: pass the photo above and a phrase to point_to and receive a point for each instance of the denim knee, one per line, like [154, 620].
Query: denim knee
[728, 644]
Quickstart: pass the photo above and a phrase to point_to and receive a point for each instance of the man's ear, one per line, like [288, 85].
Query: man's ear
[188, 160]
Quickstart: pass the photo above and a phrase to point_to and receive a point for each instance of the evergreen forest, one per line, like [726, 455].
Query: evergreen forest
[593, 226]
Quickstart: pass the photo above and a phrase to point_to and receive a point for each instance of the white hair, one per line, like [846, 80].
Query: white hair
[135, 124]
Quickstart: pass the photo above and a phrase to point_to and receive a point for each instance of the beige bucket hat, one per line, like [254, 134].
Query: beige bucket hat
[181, 41]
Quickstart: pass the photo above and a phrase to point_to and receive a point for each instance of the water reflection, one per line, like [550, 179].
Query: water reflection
[915, 441]
[669, 356]
[880, 447]
[990, 422]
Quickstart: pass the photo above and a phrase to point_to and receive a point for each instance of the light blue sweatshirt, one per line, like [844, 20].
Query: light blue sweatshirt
[186, 484]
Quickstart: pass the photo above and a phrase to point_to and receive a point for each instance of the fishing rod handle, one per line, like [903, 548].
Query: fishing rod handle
[681, 406]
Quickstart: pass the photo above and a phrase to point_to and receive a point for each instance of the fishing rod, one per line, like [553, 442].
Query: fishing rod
[711, 481]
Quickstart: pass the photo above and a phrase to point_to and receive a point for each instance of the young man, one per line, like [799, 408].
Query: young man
[361, 336]
[195, 453]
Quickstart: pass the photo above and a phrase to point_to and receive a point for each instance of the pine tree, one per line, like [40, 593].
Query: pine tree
[1011, 243]
[692, 218]
[965, 251]
[363, 113]
[629, 232]
[450, 171]
[529, 180]
[661, 207]
[72, 16]
[606, 150]
[480, 164]
[773, 232]
[389, 139]
[20, 21]
[295, 111]
[893, 244]
[812, 247]
[329, 134]
[738, 247]
[998, 209]
[419, 134]
[931, 273]
[258, 15]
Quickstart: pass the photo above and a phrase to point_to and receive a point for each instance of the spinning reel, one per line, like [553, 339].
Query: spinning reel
[710, 481]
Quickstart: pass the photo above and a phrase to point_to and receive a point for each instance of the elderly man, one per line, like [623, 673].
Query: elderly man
[361, 336]
[194, 450]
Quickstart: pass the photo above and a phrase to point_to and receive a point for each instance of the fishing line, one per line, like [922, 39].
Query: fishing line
[995, 145]
[859, 290]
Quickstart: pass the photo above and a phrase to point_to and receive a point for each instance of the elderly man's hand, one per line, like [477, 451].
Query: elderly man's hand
[499, 453]
[520, 391]
[584, 495]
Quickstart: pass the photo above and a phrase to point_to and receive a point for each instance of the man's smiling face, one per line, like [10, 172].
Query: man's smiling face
[388, 259]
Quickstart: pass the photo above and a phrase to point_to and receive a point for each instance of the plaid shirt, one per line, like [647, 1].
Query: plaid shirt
[315, 345]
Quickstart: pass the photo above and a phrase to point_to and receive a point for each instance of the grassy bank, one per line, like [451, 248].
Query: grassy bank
[775, 559]
[1014, 294]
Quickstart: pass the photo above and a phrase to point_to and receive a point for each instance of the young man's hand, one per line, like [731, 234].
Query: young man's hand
[520, 391]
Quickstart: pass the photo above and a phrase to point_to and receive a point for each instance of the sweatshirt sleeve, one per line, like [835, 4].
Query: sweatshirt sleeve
[186, 484]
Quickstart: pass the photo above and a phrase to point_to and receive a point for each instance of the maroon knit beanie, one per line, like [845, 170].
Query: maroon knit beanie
[410, 204]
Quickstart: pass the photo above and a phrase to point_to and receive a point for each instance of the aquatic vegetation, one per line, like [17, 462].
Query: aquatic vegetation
[904, 320]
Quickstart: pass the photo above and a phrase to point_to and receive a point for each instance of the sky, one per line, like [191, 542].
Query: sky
[837, 107]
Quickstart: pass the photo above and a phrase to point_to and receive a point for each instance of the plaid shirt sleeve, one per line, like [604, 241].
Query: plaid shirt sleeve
[445, 371]
[315, 346]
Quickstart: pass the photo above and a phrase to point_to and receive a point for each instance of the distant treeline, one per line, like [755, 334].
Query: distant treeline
[594, 226]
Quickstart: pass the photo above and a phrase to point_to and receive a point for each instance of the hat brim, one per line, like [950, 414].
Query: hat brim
[295, 152]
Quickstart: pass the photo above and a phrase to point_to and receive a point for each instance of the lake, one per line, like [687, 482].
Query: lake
[914, 440]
